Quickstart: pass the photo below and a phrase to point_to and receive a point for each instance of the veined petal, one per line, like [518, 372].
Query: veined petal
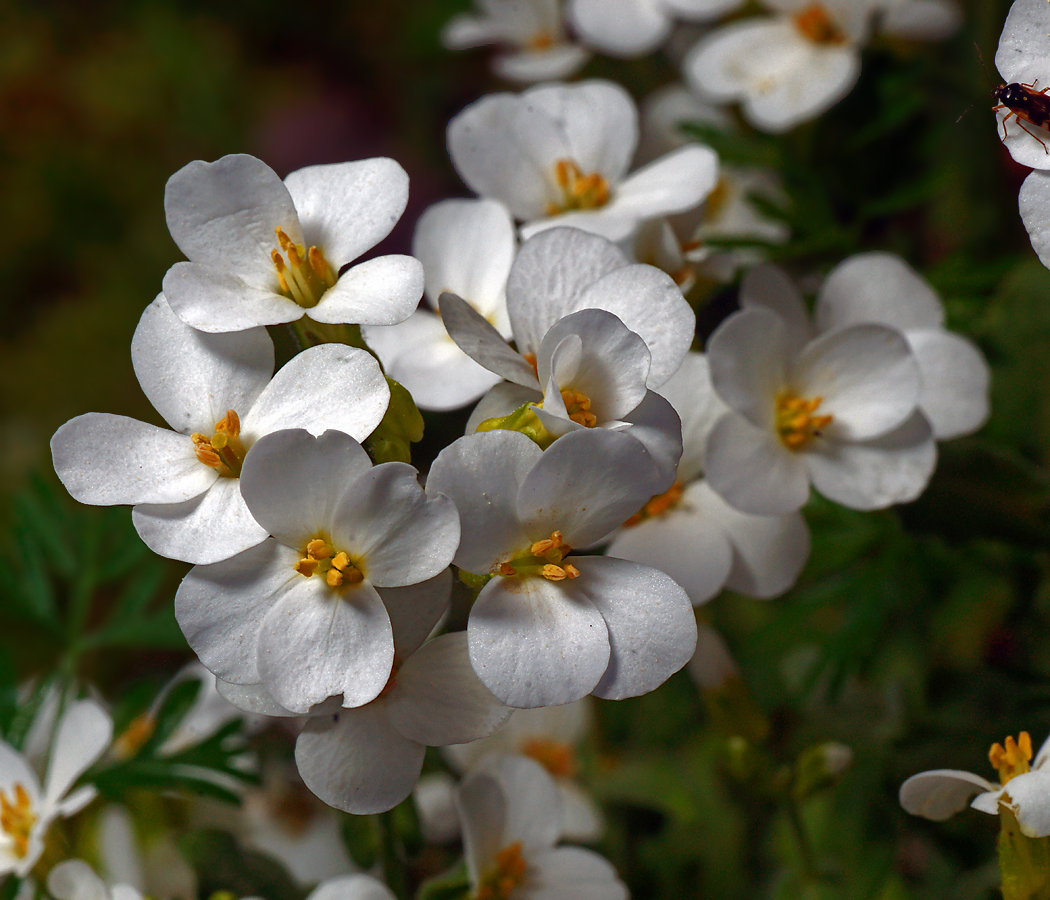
[401, 534]
[356, 761]
[652, 631]
[437, 699]
[624, 28]
[253, 698]
[482, 343]
[941, 793]
[220, 607]
[316, 642]
[84, 732]
[330, 386]
[656, 425]
[214, 300]
[206, 529]
[415, 611]
[534, 645]
[108, 460]
[693, 397]
[381, 291]
[347, 208]
[955, 381]
[1024, 42]
[572, 873]
[193, 378]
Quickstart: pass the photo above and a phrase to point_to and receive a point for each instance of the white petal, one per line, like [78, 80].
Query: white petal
[107, 460]
[15, 769]
[693, 397]
[382, 291]
[712, 665]
[1028, 144]
[752, 470]
[866, 375]
[207, 529]
[220, 607]
[466, 248]
[656, 425]
[74, 879]
[214, 300]
[1030, 798]
[558, 62]
[877, 287]
[351, 887]
[941, 793]
[623, 28]
[400, 534]
[253, 698]
[415, 611]
[330, 386]
[316, 642]
[652, 631]
[288, 478]
[223, 214]
[700, 10]
[955, 381]
[348, 208]
[356, 761]
[1034, 203]
[533, 645]
[770, 287]
[893, 468]
[437, 699]
[1024, 42]
[929, 20]
[572, 873]
[193, 378]
[581, 817]
[482, 343]
[482, 474]
[84, 732]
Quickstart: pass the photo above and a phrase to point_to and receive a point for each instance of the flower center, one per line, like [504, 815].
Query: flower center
[558, 759]
[304, 274]
[578, 191]
[545, 558]
[816, 25]
[17, 819]
[578, 406]
[223, 450]
[716, 202]
[657, 505]
[505, 876]
[541, 40]
[321, 558]
[1013, 759]
[796, 424]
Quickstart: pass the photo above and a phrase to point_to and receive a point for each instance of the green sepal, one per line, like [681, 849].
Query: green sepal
[451, 885]
[473, 581]
[523, 420]
[401, 427]
[1024, 862]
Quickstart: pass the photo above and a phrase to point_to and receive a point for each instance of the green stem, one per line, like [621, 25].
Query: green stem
[805, 848]
[390, 851]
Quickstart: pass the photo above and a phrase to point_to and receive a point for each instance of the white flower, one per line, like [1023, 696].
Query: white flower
[262, 251]
[532, 29]
[367, 760]
[924, 20]
[466, 247]
[149, 862]
[691, 533]
[550, 627]
[1023, 58]
[351, 887]
[881, 288]
[786, 69]
[509, 809]
[559, 155]
[299, 612]
[630, 28]
[27, 810]
[74, 879]
[1024, 788]
[184, 483]
[840, 410]
[1034, 203]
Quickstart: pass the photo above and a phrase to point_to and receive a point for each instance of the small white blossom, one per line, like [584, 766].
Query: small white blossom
[630, 28]
[74, 879]
[263, 251]
[1023, 59]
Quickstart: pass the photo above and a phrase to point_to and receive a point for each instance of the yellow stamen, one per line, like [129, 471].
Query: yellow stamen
[541, 40]
[224, 450]
[657, 505]
[318, 549]
[306, 275]
[530, 358]
[135, 735]
[815, 24]
[1013, 759]
[578, 191]
[320, 558]
[17, 819]
[505, 876]
[558, 759]
[796, 425]
[544, 558]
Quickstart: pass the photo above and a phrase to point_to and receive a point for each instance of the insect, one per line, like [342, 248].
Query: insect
[1026, 104]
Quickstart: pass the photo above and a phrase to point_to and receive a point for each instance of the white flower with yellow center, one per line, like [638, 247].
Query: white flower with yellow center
[531, 29]
[550, 627]
[299, 612]
[466, 247]
[785, 69]
[691, 533]
[509, 810]
[1023, 788]
[1023, 57]
[630, 28]
[263, 251]
[840, 411]
[83, 733]
[219, 394]
[559, 155]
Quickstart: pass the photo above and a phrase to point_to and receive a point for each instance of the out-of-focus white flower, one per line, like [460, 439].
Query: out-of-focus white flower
[263, 251]
[785, 69]
[691, 533]
[559, 155]
[150, 863]
[466, 247]
[532, 29]
[219, 395]
[1023, 58]
[352, 887]
[1023, 788]
[629, 28]
[924, 20]
[74, 879]
[83, 733]
[299, 612]
[509, 809]
[551, 627]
